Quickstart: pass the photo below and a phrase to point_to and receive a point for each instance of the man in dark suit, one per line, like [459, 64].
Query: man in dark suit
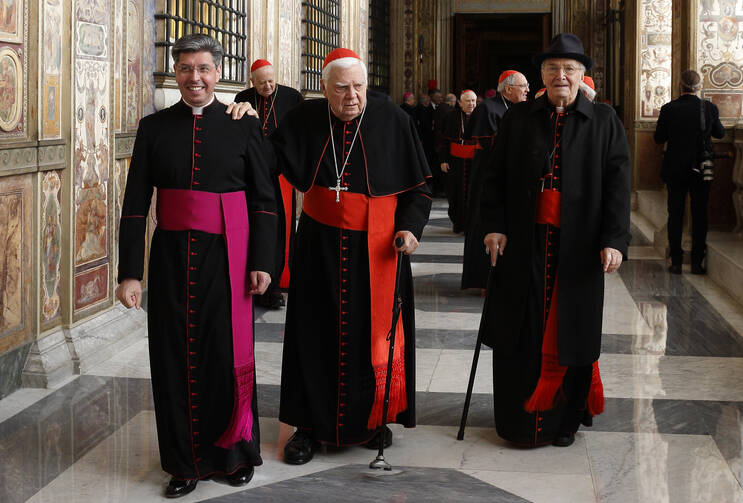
[680, 124]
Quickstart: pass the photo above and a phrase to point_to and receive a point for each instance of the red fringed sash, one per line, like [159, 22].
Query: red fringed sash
[376, 216]
[462, 151]
[226, 214]
[552, 373]
[287, 197]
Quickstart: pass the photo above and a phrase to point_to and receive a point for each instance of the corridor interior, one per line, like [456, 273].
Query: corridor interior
[672, 366]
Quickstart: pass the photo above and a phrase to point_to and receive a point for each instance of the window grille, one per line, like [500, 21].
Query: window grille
[379, 45]
[320, 35]
[223, 20]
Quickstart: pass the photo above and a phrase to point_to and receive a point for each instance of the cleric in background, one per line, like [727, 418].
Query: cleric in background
[272, 101]
[455, 158]
[555, 211]
[363, 172]
[483, 126]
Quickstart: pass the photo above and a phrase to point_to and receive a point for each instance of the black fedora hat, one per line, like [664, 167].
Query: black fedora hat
[564, 45]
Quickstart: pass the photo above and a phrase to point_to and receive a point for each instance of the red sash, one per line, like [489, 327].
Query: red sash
[376, 216]
[462, 151]
[226, 214]
[552, 373]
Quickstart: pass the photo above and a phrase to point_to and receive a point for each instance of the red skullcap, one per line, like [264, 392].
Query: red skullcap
[259, 63]
[338, 54]
[505, 75]
[589, 82]
[407, 95]
[467, 91]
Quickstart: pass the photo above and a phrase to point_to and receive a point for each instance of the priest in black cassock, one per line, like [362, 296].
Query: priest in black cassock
[211, 250]
[455, 158]
[556, 213]
[272, 101]
[363, 171]
[482, 128]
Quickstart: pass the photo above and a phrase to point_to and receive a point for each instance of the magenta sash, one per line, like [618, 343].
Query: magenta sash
[226, 214]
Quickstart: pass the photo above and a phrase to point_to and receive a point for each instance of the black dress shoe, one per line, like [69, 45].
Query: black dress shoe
[374, 442]
[563, 440]
[300, 448]
[180, 487]
[241, 477]
[674, 268]
[698, 269]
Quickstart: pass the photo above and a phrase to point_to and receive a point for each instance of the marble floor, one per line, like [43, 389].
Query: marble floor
[672, 431]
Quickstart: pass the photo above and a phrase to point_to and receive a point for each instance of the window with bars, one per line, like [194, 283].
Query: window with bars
[379, 45]
[321, 20]
[224, 20]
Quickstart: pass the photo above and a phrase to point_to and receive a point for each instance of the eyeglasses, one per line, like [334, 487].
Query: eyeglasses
[569, 70]
[201, 69]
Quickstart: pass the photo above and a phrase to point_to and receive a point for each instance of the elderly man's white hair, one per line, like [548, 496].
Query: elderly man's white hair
[343, 63]
[467, 91]
[508, 81]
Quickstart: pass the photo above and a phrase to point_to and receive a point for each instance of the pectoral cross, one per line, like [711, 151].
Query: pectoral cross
[338, 190]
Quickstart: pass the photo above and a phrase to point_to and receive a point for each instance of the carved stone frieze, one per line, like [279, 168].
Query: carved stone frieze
[124, 145]
[18, 159]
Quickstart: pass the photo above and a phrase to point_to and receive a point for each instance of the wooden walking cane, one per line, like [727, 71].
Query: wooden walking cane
[475, 358]
[379, 463]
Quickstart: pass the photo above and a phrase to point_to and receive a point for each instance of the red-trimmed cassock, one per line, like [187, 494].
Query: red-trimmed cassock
[337, 319]
[189, 314]
[458, 152]
[271, 111]
[559, 188]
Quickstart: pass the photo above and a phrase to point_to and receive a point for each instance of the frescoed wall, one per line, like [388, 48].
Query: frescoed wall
[655, 22]
[720, 54]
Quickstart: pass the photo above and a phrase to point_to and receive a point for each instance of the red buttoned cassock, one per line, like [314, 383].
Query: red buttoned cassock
[340, 296]
[216, 207]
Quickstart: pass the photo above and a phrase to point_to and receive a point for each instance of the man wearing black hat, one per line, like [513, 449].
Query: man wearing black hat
[555, 211]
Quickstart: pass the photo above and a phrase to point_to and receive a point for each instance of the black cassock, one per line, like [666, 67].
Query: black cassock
[189, 313]
[457, 178]
[482, 128]
[271, 111]
[327, 381]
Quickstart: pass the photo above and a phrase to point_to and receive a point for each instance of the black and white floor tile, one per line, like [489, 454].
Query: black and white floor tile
[672, 431]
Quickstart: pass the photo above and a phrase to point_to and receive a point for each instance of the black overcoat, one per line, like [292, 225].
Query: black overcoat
[595, 212]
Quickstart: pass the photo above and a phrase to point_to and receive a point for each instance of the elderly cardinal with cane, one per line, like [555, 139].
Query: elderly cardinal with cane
[555, 212]
[363, 171]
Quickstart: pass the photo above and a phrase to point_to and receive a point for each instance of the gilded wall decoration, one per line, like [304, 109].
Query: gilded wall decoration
[133, 30]
[92, 40]
[655, 20]
[503, 6]
[118, 63]
[148, 59]
[121, 170]
[51, 82]
[16, 194]
[93, 11]
[11, 20]
[11, 89]
[409, 46]
[91, 161]
[91, 287]
[51, 242]
[720, 53]
[286, 40]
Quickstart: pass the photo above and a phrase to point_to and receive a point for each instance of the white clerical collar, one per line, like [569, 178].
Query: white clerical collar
[559, 110]
[198, 110]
